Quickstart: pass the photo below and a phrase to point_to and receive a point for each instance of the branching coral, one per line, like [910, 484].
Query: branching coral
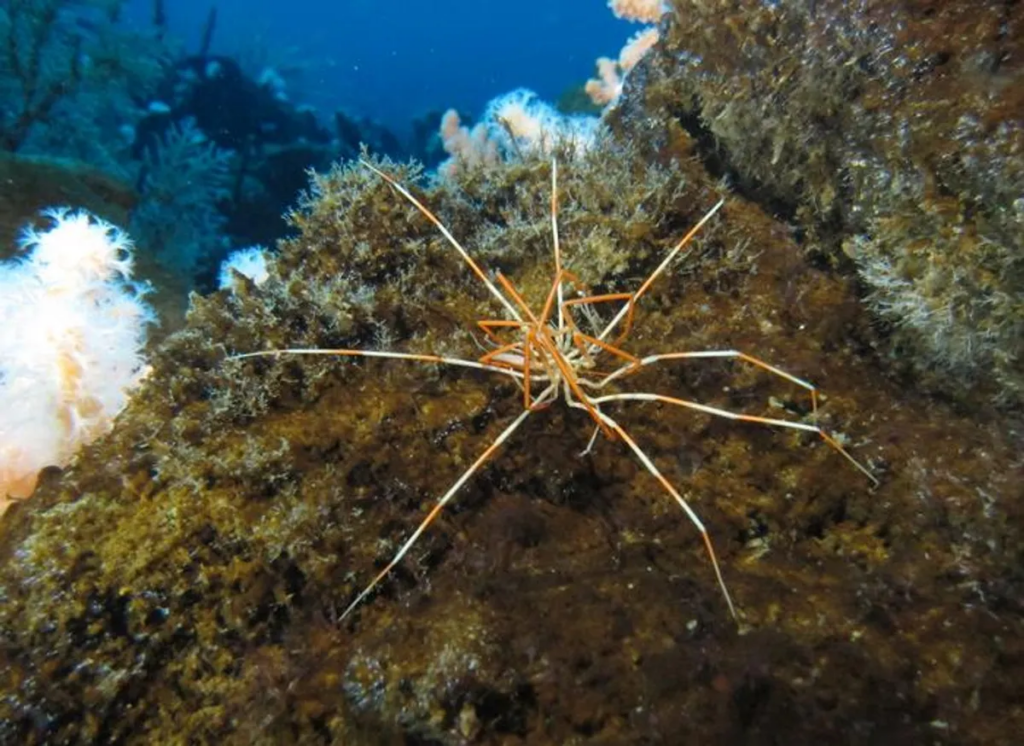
[184, 177]
[514, 124]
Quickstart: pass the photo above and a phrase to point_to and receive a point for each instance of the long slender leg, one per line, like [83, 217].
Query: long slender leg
[660, 268]
[437, 510]
[554, 238]
[416, 357]
[606, 298]
[506, 356]
[718, 412]
[757, 362]
[579, 338]
[511, 290]
[490, 328]
[674, 493]
[706, 354]
[448, 236]
[734, 354]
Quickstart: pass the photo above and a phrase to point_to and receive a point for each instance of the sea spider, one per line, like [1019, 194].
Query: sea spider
[550, 357]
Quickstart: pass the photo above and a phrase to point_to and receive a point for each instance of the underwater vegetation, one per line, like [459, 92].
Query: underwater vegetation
[182, 580]
[892, 135]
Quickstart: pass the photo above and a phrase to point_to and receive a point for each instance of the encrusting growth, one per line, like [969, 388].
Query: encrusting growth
[551, 357]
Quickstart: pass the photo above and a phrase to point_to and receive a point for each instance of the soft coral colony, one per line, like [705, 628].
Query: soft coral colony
[606, 88]
[70, 343]
[520, 121]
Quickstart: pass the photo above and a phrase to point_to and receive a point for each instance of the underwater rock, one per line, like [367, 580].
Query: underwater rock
[50, 182]
[182, 580]
[890, 133]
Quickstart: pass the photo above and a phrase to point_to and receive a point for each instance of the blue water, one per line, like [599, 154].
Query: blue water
[393, 61]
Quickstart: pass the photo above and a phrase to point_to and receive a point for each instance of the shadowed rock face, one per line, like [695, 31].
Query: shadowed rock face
[183, 579]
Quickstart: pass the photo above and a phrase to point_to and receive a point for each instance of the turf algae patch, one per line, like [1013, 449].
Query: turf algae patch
[182, 580]
[890, 134]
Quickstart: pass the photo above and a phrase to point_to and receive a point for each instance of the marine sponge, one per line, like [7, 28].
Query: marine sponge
[70, 345]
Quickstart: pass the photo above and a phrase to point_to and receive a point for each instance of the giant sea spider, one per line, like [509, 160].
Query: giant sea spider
[552, 355]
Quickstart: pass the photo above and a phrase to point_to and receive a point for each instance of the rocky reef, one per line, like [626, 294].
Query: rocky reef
[184, 577]
[892, 134]
[182, 580]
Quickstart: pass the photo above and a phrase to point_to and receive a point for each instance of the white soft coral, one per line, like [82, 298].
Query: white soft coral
[78, 251]
[72, 326]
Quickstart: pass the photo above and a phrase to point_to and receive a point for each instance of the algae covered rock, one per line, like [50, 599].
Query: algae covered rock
[891, 133]
[182, 580]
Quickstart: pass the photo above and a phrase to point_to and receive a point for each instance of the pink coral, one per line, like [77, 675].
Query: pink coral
[644, 11]
[605, 89]
[468, 147]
